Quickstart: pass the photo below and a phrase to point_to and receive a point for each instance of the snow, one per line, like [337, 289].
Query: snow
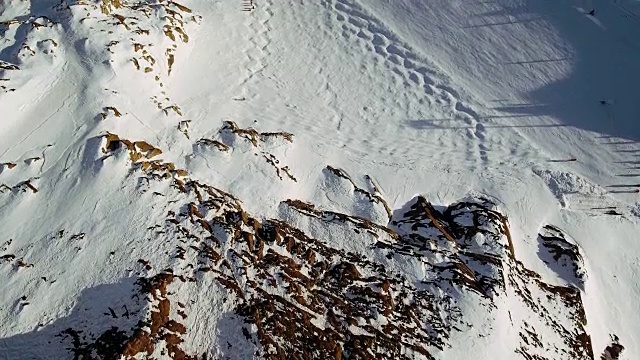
[449, 100]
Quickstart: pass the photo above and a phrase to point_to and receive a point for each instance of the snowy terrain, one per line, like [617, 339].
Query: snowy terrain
[357, 179]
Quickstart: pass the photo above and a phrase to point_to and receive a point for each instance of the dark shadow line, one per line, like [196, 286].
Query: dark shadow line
[524, 126]
[501, 23]
[620, 142]
[506, 116]
[534, 61]
[436, 127]
[488, 117]
[509, 107]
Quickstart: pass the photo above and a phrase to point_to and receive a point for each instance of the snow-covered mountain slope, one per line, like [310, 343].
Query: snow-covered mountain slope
[362, 179]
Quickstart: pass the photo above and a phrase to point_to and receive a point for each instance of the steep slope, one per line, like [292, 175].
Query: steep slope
[327, 179]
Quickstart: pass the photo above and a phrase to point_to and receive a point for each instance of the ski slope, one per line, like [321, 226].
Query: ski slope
[190, 180]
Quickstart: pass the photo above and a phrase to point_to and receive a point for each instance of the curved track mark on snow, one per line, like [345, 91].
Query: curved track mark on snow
[401, 58]
[414, 70]
[260, 41]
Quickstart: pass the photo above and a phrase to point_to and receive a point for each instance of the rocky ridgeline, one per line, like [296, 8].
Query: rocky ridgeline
[463, 245]
[468, 245]
[303, 294]
[295, 281]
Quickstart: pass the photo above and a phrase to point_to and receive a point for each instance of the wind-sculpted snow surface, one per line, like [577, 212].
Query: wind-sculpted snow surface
[300, 180]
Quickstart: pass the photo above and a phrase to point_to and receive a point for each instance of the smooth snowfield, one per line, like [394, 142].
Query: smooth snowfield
[532, 104]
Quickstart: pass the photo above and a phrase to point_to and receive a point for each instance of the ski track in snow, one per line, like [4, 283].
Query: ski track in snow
[256, 54]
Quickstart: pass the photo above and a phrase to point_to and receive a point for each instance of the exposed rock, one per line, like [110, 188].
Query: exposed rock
[562, 255]
[613, 350]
